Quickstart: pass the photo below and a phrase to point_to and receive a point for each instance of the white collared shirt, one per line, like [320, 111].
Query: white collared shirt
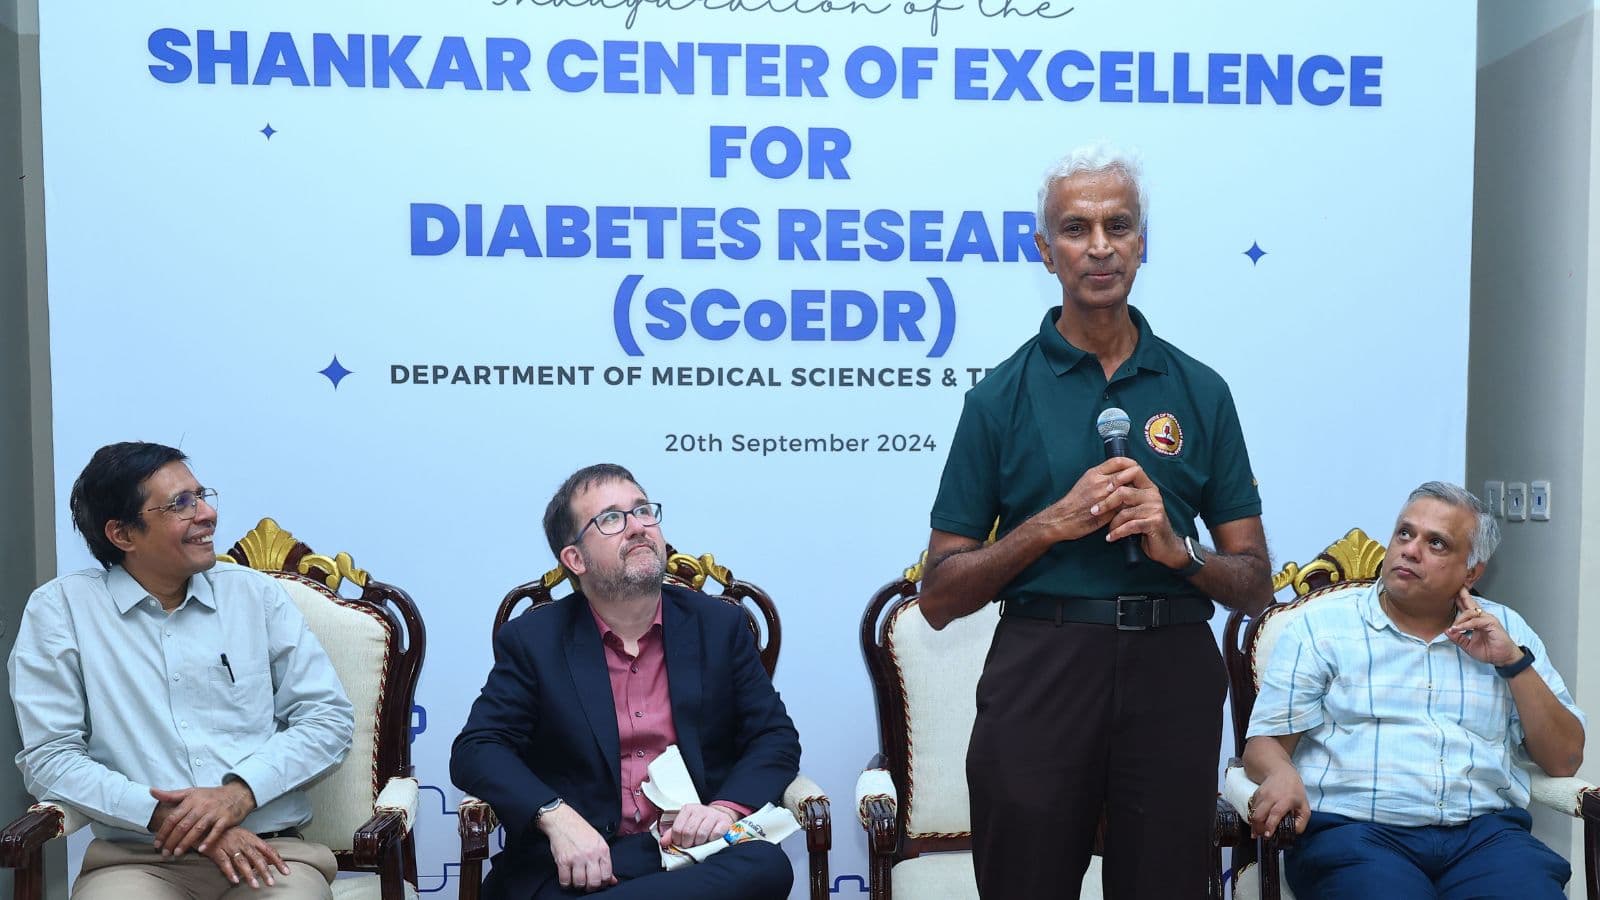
[1394, 729]
[115, 696]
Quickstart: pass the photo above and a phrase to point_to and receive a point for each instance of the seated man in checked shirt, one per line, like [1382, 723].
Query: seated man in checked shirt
[1391, 719]
[177, 701]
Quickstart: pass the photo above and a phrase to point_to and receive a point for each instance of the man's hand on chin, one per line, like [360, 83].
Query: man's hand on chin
[583, 859]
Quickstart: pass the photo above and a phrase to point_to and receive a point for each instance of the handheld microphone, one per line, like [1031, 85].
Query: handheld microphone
[1113, 426]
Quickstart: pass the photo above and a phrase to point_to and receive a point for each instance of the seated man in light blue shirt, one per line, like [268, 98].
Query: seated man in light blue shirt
[1392, 718]
[178, 702]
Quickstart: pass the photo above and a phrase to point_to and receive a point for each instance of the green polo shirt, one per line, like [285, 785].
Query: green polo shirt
[1027, 434]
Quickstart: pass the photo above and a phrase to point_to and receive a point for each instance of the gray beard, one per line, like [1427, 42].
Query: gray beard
[624, 582]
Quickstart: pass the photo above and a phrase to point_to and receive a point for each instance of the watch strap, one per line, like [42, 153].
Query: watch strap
[1196, 562]
[1517, 667]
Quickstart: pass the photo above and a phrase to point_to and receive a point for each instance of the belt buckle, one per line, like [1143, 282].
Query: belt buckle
[1124, 615]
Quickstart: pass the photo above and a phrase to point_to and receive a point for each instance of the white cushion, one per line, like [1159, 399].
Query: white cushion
[948, 876]
[800, 790]
[71, 818]
[356, 640]
[1560, 794]
[873, 784]
[1237, 789]
[365, 887]
[939, 673]
[1249, 886]
[399, 795]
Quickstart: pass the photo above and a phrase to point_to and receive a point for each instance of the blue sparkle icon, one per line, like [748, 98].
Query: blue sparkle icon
[269, 131]
[335, 372]
[1255, 253]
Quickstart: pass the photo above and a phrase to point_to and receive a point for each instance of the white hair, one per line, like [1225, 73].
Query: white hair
[1485, 534]
[1100, 156]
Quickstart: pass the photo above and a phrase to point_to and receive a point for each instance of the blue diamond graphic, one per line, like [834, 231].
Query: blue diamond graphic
[269, 131]
[1255, 253]
[335, 372]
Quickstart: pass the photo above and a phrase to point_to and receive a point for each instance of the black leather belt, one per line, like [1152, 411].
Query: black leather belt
[285, 833]
[1128, 612]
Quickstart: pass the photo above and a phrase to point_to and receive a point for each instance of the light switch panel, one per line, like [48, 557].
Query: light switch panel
[1539, 501]
[1494, 495]
[1516, 501]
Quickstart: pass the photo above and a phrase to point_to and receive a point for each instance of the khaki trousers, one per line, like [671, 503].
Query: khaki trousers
[117, 870]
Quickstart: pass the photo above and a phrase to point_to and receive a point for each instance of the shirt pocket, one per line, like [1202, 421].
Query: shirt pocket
[240, 704]
[1487, 712]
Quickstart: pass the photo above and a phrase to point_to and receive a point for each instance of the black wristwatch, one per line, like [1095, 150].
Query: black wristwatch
[1196, 560]
[547, 809]
[1516, 668]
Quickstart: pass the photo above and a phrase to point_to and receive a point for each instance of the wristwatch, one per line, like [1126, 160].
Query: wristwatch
[1196, 560]
[548, 808]
[1516, 668]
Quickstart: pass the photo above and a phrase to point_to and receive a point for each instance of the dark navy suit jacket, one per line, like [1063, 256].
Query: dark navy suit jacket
[545, 727]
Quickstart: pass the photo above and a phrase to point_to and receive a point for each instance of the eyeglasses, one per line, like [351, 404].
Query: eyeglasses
[612, 521]
[187, 503]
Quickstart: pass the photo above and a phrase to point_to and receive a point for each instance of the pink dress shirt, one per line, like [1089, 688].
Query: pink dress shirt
[643, 704]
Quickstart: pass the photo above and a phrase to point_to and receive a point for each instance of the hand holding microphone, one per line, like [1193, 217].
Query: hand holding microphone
[1139, 521]
[1113, 426]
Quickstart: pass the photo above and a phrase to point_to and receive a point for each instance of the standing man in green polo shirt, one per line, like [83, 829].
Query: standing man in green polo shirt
[1103, 688]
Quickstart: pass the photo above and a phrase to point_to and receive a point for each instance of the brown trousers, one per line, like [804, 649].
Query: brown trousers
[1077, 719]
[117, 870]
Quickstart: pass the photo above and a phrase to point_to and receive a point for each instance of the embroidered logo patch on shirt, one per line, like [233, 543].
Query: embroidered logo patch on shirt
[1164, 435]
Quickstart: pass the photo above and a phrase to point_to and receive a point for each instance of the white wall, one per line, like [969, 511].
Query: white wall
[1532, 399]
[16, 534]
[27, 538]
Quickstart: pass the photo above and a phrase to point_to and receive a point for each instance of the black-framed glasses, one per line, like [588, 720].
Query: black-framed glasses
[187, 503]
[612, 521]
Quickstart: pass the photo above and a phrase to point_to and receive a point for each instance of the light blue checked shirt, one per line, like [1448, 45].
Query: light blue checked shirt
[114, 696]
[1392, 729]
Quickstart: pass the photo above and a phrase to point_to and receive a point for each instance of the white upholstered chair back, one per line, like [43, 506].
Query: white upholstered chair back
[934, 675]
[363, 809]
[938, 671]
[1278, 618]
[357, 641]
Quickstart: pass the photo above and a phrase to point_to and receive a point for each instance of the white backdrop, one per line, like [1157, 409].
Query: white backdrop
[239, 196]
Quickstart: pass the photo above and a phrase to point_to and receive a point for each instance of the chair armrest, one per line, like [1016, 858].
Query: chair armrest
[1229, 828]
[475, 823]
[399, 795]
[42, 823]
[376, 835]
[392, 814]
[1237, 789]
[1561, 794]
[810, 806]
[876, 804]
[1589, 806]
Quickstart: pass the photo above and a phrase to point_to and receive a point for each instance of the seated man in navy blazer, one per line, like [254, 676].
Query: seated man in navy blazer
[587, 691]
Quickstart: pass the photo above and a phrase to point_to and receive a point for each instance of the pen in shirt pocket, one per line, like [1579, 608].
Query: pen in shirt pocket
[229, 668]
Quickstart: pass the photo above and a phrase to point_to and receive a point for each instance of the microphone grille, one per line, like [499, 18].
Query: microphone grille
[1113, 423]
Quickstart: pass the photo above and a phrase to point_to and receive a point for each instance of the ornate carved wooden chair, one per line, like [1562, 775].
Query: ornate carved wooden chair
[803, 797]
[364, 809]
[912, 797]
[1352, 561]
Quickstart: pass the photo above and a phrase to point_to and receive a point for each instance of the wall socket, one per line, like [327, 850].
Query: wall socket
[1516, 501]
[1539, 501]
[1494, 496]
